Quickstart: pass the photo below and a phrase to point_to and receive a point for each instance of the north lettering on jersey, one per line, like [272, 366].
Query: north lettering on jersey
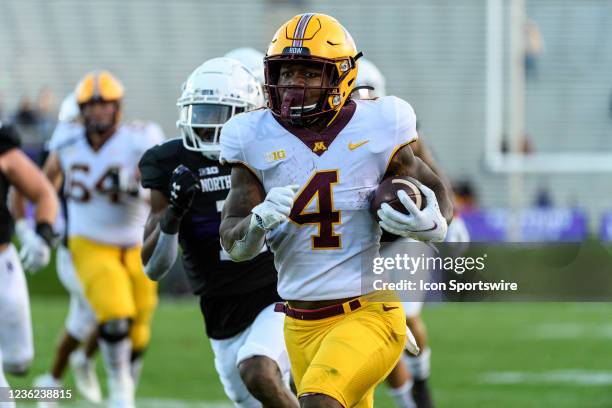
[215, 183]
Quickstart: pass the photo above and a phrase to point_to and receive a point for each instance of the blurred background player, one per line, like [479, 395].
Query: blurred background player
[250, 58]
[188, 188]
[410, 388]
[106, 214]
[80, 324]
[16, 170]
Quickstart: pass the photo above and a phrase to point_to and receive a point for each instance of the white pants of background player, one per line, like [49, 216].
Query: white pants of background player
[264, 337]
[81, 320]
[16, 340]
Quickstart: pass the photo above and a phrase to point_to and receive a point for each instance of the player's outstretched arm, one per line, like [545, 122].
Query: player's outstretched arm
[159, 250]
[405, 163]
[151, 229]
[161, 231]
[23, 174]
[53, 170]
[28, 180]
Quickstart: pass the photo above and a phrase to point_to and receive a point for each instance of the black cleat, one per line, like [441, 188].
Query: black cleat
[422, 394]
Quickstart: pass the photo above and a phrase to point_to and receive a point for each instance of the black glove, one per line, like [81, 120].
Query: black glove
[183, 187]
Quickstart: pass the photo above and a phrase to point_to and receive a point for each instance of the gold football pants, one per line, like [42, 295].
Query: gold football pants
[346, 356]
[115, 285]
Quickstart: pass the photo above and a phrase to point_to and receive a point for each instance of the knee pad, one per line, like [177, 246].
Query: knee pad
[115, 330]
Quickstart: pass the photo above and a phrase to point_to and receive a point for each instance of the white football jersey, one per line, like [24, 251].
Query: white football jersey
[95, 210]
[328, 245]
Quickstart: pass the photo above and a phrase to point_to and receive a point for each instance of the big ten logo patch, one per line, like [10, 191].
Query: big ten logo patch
[210, 182]
[275, 156]
[208, 171]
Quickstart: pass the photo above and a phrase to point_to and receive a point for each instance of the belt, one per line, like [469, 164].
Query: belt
[322, 313]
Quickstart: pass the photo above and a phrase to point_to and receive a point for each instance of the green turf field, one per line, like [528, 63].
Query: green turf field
[484, 355]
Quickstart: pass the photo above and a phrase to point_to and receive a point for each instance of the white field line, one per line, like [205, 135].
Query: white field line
[571, 331]
[575, 377]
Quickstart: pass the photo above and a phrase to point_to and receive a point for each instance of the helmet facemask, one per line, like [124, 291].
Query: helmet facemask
[200, 125]
[290, 102]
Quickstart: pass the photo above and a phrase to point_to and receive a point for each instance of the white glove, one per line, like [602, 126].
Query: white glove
[276, 207]
[35, 253]
[426, 225]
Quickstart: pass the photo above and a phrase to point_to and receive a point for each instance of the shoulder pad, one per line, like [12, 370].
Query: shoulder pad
[9, 137]
[157, 164]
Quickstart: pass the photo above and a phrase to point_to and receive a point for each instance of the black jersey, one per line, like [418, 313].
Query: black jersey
[226, 287]
[9, 139]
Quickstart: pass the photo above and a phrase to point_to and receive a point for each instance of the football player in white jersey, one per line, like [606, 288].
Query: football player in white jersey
[188, 187]
[80, 322]
[106, 213]
[303, 174]
[16, 170]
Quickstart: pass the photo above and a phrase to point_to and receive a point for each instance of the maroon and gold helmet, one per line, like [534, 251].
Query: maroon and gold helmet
[311, 38]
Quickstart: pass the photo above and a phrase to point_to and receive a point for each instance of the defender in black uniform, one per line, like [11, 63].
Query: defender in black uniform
[17, 170]
[188, 187]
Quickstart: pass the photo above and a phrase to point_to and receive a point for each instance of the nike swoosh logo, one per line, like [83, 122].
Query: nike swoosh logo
[356, 145]
[387, 308]
[426, 230]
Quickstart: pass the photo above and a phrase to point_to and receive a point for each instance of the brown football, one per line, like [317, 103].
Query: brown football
[387, 193]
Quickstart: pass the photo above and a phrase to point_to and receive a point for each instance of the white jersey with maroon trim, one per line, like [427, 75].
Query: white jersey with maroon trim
[97, 210]
[329, 243]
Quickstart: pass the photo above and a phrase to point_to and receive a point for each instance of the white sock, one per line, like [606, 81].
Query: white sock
[4, 388]
[403, 395]
[420, 365]
[116, 357]
[136, 369]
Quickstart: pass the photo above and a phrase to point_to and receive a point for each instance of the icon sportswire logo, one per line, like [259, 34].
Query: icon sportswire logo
[352, 146]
